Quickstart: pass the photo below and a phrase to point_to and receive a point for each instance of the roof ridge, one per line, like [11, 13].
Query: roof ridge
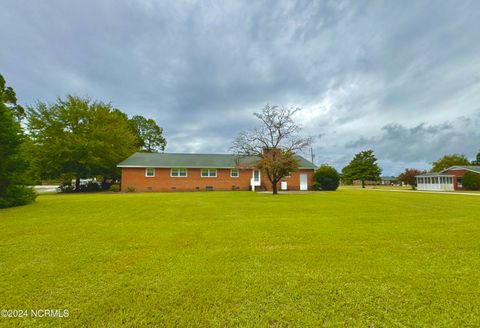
[169, 153]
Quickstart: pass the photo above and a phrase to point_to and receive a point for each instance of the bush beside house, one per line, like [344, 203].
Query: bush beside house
[326, 178]
[471, 181]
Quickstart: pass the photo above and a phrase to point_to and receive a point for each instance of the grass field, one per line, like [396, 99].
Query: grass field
[345, 258]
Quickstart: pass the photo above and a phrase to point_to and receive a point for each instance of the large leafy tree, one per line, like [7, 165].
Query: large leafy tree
[13, 164]
[363, 167]
[80, 138]
[449, 160]
[150, 135]
[409, 177]
[274, 141]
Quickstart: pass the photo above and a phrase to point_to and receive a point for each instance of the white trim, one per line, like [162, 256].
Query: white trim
[208, 176]
[146, 172]
[179, 176]
[238, 173]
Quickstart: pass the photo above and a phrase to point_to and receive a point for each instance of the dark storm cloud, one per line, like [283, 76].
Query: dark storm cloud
[366, 74]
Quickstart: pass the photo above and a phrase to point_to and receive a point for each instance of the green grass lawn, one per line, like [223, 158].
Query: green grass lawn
[345, 258]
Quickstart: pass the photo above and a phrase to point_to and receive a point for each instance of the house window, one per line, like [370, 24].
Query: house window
[208, 173]
[256, 175]
[178, 172]
[150, 172]
[234, 173]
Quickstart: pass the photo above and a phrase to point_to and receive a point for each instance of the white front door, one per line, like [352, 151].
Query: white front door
[255, 180]
[303, 182]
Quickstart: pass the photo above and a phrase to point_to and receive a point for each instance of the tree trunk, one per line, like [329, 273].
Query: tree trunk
[77, 183]
[274, 188]
[363, 183]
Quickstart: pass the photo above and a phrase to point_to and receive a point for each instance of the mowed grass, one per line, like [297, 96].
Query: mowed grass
[345, 258]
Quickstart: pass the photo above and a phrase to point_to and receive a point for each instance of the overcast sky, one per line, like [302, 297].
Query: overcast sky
[399, 77]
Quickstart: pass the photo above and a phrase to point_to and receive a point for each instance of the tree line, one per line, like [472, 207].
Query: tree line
[71, 138]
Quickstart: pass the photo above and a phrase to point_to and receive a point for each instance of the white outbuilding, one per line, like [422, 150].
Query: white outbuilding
[435, 182]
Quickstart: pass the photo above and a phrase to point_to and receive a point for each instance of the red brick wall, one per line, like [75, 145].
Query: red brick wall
[293, 182]
[162, 181]
[457, 174]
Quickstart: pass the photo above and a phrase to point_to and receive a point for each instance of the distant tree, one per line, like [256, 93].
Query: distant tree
[477, 161]
[363, 167]
[408, 177]
[13, 164]
[79, 138]
[274, 142]
[449, 160]
[150, 138]
[326, 178]
[471, 181]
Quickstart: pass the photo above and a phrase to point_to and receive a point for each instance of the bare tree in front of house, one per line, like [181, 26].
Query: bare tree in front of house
[274, 141]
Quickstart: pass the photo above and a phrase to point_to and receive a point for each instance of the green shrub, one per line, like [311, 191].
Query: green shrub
[130, 189]
[15, 195]
[326, 178]
[471, 181]
[115, 187]
[316, 186]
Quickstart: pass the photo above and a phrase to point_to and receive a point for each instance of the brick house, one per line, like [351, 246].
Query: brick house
[205, 172]
[447, 180]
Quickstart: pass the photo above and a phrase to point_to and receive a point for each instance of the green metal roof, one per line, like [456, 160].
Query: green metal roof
[196, 160]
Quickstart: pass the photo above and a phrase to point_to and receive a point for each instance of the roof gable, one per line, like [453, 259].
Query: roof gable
[472, 168]
[190, 160]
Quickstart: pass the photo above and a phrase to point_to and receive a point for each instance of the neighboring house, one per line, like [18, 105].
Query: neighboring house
[384, 181]
[197, 172]
[389, 181]
[446, 180]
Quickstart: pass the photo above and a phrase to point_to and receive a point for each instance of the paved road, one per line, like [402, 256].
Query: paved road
[43, 189]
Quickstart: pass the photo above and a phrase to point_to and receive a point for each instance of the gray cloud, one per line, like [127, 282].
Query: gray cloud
[370, 74]
[398, 146]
